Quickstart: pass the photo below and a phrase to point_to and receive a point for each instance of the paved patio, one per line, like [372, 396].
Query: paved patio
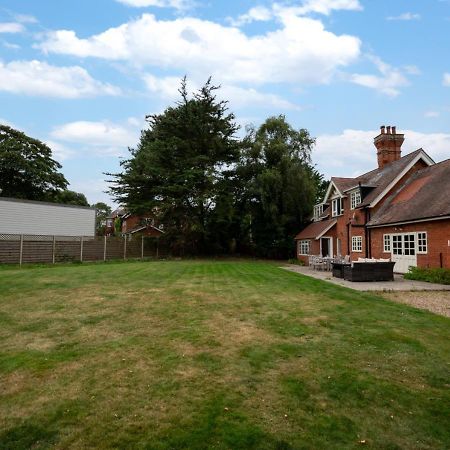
[399, 283]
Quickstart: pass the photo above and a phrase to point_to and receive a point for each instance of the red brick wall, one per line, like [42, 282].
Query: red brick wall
[130, 222]
[438, 236]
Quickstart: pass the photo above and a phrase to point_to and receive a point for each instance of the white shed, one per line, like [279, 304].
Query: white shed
[48, 219]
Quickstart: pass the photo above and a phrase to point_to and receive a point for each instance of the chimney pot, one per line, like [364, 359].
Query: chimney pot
[388, 145]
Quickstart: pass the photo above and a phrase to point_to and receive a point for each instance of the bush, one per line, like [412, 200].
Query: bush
[298, 262]
[439, 275]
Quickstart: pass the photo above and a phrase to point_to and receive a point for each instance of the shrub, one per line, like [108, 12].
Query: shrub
[438, 275]
[298, 262]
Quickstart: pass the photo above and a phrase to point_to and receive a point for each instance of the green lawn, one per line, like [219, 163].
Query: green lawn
[214, 355]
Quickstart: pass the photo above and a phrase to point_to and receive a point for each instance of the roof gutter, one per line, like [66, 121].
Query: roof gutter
[406, 222]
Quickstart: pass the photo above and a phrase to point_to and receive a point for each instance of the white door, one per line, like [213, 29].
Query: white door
[404, 252]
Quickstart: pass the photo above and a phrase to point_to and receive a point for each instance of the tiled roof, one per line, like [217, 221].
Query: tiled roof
[343, 183]
[380, 179]
[425, 195]
[315, 229]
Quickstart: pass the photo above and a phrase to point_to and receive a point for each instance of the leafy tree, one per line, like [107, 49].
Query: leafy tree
[27, 169]
[281, 185]
[71, 198]
[103, 211]
[181, 168]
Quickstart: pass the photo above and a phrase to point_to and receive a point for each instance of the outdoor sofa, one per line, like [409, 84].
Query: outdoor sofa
[369, 270]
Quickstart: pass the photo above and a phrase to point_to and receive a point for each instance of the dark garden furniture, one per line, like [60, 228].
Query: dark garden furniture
[338, 269]
[369, 271]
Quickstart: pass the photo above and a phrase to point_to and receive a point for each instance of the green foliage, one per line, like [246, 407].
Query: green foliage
[117, 225]
[27, 169]
[102, 212]
[182, 167]
[71, 198]
[214, 193]
[437, 275]
[282, 185]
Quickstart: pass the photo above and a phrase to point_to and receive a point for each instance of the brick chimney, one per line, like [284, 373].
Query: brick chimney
[388, 144]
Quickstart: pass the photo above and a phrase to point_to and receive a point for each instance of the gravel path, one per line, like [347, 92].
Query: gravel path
[437, 302]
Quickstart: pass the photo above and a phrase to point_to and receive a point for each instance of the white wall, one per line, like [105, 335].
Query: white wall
[23, 217]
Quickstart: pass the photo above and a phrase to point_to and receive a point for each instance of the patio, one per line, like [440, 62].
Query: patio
[399, 283]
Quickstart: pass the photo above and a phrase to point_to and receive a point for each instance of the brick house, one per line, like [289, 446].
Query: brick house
[132, 224]
[400, 210]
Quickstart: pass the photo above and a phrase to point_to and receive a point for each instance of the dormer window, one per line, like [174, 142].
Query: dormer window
[318, 211]
[355, 199]
[337, 207]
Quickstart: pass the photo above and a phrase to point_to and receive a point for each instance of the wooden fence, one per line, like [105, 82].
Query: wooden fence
[21, 249]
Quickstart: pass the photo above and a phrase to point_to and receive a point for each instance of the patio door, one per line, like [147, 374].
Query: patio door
[326, 247]
[404, 252]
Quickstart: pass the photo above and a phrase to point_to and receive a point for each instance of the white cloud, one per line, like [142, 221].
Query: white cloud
[41, 79]
[412, 70]
[101, 138]
[325, 7]
[352, 152]
[446, 79]
[281, 10]
[10, 45]
[405, 16]
[388, 82]
[11, 27]
[431, 114]
[255, 14]
[60, 152]
[300, 51]
[25, 18]
[7, 123]
[176, 4]
[239, 97]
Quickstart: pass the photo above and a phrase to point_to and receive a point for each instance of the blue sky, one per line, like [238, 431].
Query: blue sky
[82, 75]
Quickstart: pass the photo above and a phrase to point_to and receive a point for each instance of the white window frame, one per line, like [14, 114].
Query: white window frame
[318, 211]
[387, 243]
[304, 246]
[357, 244]
[355, 199]
[422, 243]
[334, 207]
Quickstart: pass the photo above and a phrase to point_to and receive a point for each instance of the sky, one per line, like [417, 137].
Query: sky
[81, 76]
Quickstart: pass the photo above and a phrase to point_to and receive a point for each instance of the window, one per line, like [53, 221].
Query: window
[387, 243]
[409, 245]
[422, 242]
[303, 247]
[336, 207]
[356, 243]
[355, 199]
[318, 210]
[397, 244]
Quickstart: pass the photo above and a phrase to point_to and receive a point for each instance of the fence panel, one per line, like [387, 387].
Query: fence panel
[9, 248]
[93, 248]
[17, 249]
[37, 249]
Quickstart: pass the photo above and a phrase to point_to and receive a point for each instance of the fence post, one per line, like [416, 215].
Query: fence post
[125, 247]
[81, 249]
[142, 247]
[53, 249]
[104, 250]
[21, 250]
